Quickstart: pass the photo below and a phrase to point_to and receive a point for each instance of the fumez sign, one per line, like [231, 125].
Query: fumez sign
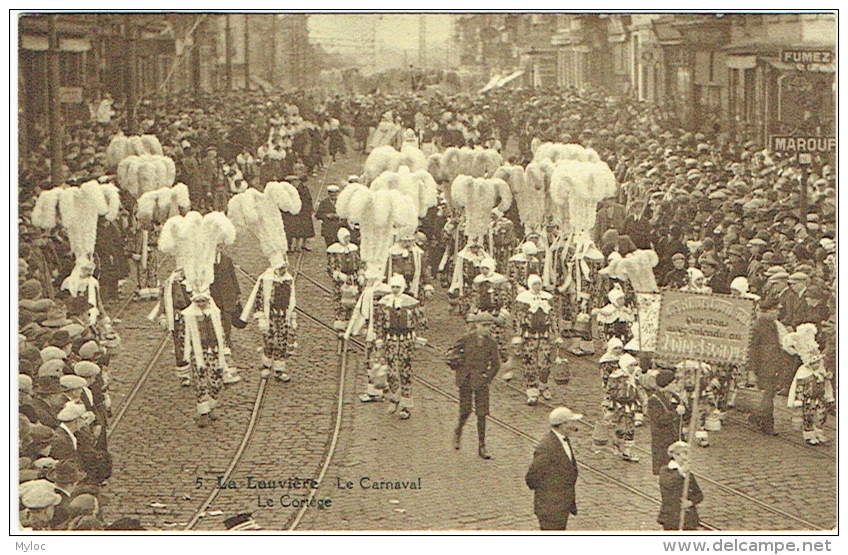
[808, 60]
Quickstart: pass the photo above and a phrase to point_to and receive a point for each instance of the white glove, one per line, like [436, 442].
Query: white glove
[264, 324]
[681, 410]
[163, 322]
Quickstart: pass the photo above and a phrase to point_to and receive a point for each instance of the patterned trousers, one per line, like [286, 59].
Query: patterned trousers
[536, 358]
[398, 353]
[207, 381]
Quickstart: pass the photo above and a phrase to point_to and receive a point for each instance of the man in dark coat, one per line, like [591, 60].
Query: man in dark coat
[226, 293]
[553, 472]
[326, 212]
[665, 410]
[716, 275]
[672, 478]
[111, 261]
[773, 366]
[475, 359]
[638, 226]
[299, 226]
[736, 265]
[190, 175]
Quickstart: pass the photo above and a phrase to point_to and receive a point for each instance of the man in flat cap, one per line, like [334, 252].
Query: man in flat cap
[48, 401]
[475, 359]
[37, 499]
[736, 265]
[772, 366]
[715, 274]
[792, 300]
[553, 472]
[64, 444]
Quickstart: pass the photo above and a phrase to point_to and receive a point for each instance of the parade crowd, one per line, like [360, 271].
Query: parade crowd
[543, 215]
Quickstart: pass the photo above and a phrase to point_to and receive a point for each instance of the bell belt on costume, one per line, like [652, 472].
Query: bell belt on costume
[400, 334]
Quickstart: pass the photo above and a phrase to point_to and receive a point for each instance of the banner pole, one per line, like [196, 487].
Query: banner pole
[692, 427]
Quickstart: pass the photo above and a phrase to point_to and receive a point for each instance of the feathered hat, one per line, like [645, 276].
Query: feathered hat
[419, 187]
[479, 196]
[379, 214]
[578, 185]
[486, 162]
[638, 268]
[260, 214]
[139, 174]
[121, 147]
[78, 209]
[193, 241]
[159, 205]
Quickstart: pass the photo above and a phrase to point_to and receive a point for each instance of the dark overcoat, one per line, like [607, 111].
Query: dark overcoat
[552, 476]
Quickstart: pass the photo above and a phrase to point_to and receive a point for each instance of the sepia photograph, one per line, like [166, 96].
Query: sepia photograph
[444, 272]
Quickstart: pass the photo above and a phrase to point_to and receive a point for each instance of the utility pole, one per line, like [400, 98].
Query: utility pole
[56, 157]
[374, 42]
[195, 63]
[228, 62]
[273, 74]
[246, 52]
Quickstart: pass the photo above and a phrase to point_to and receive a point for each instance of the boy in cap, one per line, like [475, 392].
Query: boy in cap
[64, 444]
[677, 277]
[672, 479]
[553, 472]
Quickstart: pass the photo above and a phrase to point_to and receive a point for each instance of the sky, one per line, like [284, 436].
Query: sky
[351, 33]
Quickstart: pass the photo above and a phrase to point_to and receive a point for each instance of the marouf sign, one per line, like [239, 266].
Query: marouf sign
[802, 144]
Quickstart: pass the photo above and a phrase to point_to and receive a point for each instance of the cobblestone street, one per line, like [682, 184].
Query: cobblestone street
[166, 467]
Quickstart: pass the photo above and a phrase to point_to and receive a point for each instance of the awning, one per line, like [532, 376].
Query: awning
[497, 82]
[66, 44]
[511, 77]
[493, 82]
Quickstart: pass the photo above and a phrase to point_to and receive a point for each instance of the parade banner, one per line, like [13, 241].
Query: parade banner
[708, 328]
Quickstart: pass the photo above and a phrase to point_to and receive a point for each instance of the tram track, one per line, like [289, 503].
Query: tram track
[247, 435]
[238, 456]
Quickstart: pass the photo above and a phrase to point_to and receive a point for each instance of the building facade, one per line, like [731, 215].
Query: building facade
[722, 72]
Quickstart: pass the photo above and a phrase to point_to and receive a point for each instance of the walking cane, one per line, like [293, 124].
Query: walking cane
[692, 426]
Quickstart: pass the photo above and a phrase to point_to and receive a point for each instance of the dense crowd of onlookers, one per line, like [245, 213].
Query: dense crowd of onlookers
[709, 200]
